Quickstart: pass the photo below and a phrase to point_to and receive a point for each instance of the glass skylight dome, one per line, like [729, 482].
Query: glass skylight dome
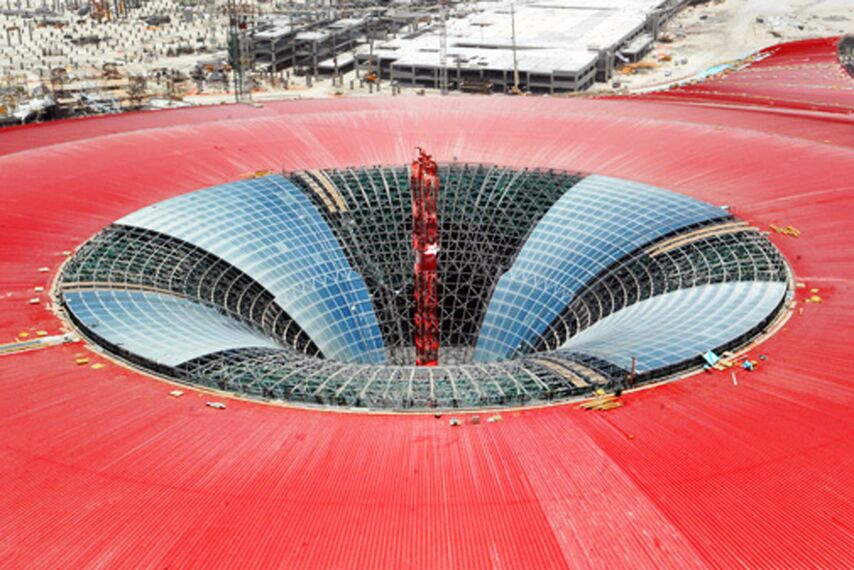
[298, 287]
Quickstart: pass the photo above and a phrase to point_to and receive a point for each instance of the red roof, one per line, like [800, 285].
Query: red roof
[103, 468]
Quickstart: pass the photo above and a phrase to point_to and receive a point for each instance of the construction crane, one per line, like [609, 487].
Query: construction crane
[443, 49]
[370, 76]
[240, 14]
[424, 182]
[515, 89]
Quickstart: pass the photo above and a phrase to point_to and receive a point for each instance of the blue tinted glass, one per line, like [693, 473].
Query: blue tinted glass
[671, 328]
[596, 223]
[161, 328]
[267, 228]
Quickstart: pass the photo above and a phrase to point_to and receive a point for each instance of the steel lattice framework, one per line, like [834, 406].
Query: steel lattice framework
[489, 218]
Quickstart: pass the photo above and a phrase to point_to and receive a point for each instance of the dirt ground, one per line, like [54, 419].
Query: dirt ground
[714, 33]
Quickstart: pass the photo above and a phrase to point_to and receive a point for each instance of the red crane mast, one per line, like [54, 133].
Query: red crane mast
[424, 183]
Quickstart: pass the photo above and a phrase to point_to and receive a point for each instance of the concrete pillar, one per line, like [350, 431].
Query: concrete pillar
[314, 56]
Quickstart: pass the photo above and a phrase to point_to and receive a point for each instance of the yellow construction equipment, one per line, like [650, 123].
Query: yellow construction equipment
[256, 174]
[602, 402]
[787, 231]
[631, 68]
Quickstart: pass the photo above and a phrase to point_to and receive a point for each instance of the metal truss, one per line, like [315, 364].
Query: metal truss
[276, 375]
[485, 214]
[124, 257]
[718, 252]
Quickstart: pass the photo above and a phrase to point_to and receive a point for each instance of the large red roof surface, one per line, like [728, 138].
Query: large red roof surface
[104, 468]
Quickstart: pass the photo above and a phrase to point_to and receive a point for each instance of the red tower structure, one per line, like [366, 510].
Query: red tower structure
[424, 182]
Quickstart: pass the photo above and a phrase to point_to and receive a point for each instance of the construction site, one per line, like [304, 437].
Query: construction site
[543, 284]
[75, 57]
[71, 58]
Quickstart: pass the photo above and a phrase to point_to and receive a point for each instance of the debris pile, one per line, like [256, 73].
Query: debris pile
[786, 231]
[602, 402]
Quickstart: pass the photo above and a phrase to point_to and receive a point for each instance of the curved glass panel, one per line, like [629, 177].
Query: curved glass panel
[160, 328]
[562, 278]
[267, 228]
[593, 225]
[674, 327]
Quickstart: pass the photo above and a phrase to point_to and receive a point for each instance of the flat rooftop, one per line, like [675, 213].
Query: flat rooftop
[551, 35]
[537, 61]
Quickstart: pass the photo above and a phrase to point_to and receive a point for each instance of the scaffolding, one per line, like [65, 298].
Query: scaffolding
[484, 214]
[424, 183]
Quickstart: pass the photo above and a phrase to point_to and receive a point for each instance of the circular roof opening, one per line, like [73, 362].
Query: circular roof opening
[299, 287]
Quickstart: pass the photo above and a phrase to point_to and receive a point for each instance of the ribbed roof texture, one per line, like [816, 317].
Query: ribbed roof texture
[102, 468]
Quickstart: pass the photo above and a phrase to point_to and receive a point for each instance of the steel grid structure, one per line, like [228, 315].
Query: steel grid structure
[637, 272]
[485, 212]
[137, 259]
